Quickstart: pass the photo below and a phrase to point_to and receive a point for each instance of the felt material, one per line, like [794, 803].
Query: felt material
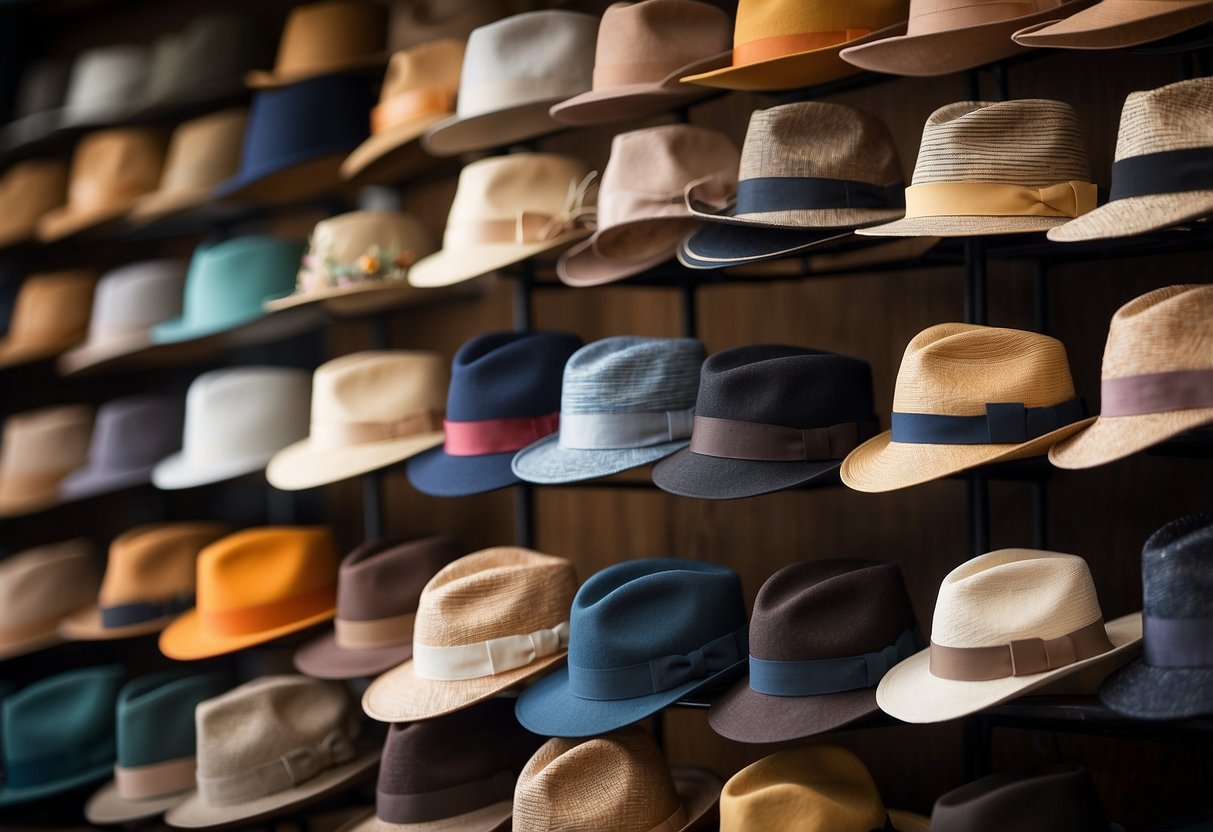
[324, 38]
[1114, 24]
[39, 587]
[104, 84]
[38, 450]
[50, 314]
[29, 190]
[1049, 798]
[130, 436]
[40, 93]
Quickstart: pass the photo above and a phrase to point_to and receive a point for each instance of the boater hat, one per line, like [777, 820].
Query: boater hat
[38, 589]
[29, 190]
[130, 435]
[325, 38]
[1113, 24]
[38, 450]
[1054, 798]
[50, 315]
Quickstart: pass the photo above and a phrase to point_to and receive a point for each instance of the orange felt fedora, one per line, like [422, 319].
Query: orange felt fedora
[50, 315]
[326, 38]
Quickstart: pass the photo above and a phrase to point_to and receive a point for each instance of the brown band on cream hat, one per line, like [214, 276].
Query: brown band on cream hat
[38, 588]
[40, 448]
[324, 38]
[50, 315]
[28, 191]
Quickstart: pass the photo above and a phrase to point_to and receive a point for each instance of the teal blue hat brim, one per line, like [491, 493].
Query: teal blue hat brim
[10, 796]
[180, 330]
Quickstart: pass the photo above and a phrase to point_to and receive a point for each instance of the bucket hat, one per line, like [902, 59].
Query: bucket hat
[379, 586]
[1173, 678]
[29, 190]
[770, 417]
[50, 315]
[236, 419]
[1157, 377]
[1114, 24]
[625, 402]
[39, 99]
[514, 70]
[130, 435]
[255, 586]
[1162, 175]
[58, 734]
[968, 396]
[38, 588]
[505, 394]
[638, 642]
[786, 44]
[369, 410]
[1052, 798]
[485, 623]
[1008, 623]
[325, 38]
[39, 448]
[506, 210]
[272, 744]
[105, 83]
[414, 22]
[643, 49]
[149, 580]
[155, 743]
[642, 212]
[809, 675]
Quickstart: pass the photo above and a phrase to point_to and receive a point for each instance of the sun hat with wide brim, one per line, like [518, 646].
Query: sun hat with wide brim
[1114, 24]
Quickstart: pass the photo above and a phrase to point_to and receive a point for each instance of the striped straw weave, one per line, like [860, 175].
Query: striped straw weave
[629, 374]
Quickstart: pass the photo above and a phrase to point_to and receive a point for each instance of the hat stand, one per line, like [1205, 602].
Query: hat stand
[372, 482]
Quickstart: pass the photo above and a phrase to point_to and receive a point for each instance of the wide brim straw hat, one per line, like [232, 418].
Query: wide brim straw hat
[1113, 24]
[304, 465]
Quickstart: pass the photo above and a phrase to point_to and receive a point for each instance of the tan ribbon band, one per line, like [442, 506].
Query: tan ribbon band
[155, 780]
[374, 634]
[410, 106]
[779, 46]
[1023, 657]
[732, 439]
[333, 435]
[991, 199]
[294, 767]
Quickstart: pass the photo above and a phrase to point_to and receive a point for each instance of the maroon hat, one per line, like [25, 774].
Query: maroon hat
[378, 587]
[1055, 798]
[822, 635]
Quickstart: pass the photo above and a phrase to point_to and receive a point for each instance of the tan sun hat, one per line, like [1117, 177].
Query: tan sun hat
[39, 449]
[1157, 377]
[38, 588]
[50, 315]
[967, 396]
[1113, 24]
[1008, 623]
[325, 38]
[1163, 170]
[1005, 168]
[29, 190]
[485, 623]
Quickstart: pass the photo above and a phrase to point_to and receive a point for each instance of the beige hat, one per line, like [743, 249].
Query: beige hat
[29, 190]
[1008, 623]
[39, 449]
[1114, 24]
[369, 410]
[272, 744]
[967, 396]
[1005, 168]
[38, 587]
[325, 38]
[414, 22]
[1162, 174]
[508, 209]
[1157, 377]
[484, 623]
[50, 314]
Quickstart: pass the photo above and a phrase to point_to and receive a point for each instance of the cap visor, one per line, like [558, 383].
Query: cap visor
[323, 659]
[440, 474]
[689, 474]
[745, 715]
[184, 639]
[306, 465]
[547, 462]
[1108, 439]
[1144, 692]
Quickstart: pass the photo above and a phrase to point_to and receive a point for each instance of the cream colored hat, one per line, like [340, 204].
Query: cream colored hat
[38, 588]
[369, 410]
[485, 623]
[1008, 623]
[28, 191]
[1005, 168]
[1157, 377]
[507, 209]
[39, 449]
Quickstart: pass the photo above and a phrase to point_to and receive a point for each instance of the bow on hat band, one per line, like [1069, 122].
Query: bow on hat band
[1178, 642]
[375, 633]
[820, 676]
[497, 436]
[291, 769]
[1023, 657]
[410, 106]
[1003, 424]
[733, 439]
[813, 193]
[268, 616]
[144, 782]
[138, 612]
[610, 431]
[529, 227]
[989, 199]
[778, 46]
[459, 799]
[334, 435]
[1156, 392]
[488, 658]
[1168, 172]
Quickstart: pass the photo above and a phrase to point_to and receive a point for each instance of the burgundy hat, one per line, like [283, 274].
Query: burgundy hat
[1054, 798]
[378, 587]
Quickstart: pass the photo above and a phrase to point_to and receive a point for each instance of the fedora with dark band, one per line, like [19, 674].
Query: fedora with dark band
[1054, 798]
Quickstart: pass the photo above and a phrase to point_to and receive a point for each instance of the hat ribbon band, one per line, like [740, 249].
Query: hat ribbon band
[1178, 642]
[814, 193]
[334, 435]
[410, 106]
[48, 768]
[156, 779]
[1004, 424]
[953, 15]
[291, 769]
[139, 612]
[660, 674]
[1156, 392]
[488, 658]
[820, 676]
[1023, 657]
[424, 807]
[990, 199]
[496, 436]
[611, 431]
[268, 616]
[528, 227]
[733, 439]
[779, 46]
[1168, 172]
[374, 634]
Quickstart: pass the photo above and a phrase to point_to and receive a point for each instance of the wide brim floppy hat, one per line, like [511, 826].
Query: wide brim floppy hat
[1113, 24]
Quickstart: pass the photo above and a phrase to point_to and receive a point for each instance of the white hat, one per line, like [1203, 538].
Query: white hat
[105, 83]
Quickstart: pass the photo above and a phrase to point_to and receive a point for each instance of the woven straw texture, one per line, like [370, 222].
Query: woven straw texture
[1113, 24]
[40, 586]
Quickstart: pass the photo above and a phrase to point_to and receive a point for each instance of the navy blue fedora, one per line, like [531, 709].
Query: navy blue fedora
[642, 635]
[504, 395]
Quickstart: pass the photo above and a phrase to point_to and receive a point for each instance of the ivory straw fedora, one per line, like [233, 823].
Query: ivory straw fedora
[325, 38]
[369, 410]
[784, 44]
[39, 448]
[485, 623]
[1114, 24]
[130, 435]
[505, 394]
[1052, 798]
[379, 585]
[1006, 624]
[39, 588]
[29, 190]
[1157, 377]
[105, 84]
[513, 72]
[414, 22]
[968, 396]
[643, 49]
[39, 98]
[50, 315]
[638, 642]
[149, 580]
[625, 402]
[642, 212]
[1004, 168]
[1163, 173]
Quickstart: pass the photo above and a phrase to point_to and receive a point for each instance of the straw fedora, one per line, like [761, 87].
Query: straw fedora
[814, 788]
[508, 209]
[38, 449]
[39, 98]
[1157, 377]
[515, 600]
[1005, 168]
[786, 44]
[643, 49]
[105, 84]
[642, 212]
[29, 190]
[130, 435]
[325, 38]
[379, 586]
[415, 22]
[1052, 798]
[513, 72]
[39, 588]
[615, 783]
[272, 744]
[149, 580]
[50, 315]
[255, 586]
[1114, 24]
[967, 396]
[369, 410]
[1008, 623]
[1161, 176]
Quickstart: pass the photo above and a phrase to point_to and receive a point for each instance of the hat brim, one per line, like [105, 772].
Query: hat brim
[18, 505]
[10, 796]
[17, 234]
[11, 648]
[910, 693]
[724, 246]
[1135, 215]
[184, 640]
[92, 482]
[1145, 692]
[307, 465]
[547, 462]
[97, 353]
[175, 472]
[24, 132]
[86, 625]
[961, 226]
[703, 477]
[323, 658]
[1113, 24]
[261, 79]
[108, 808]
[61, 223]
[13, 353]
[745, 715]
[294, 178]
[378, 149]
[255, 328]
[1110, 438]
[356, 300]
[492, 818]
[631, 102]
[440, 474]
[582, 265]
[160, 205]
[447, 267]
[499, 128]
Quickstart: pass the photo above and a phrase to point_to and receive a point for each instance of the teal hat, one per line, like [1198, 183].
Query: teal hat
[58, 734]
[155, 769]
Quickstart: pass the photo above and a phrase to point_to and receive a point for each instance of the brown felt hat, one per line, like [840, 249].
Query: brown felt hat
[50, 315]
[325, 38]
[1052, 798]
[1114, 24]
[38, 450]
[28, 191]
[38, 588]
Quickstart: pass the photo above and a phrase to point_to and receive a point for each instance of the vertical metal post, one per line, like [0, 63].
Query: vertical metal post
[978, 487]
[973, 84]
[279, 507]
[1001, 87]
[976, 306]
[689, 312]
[524, 282]
[658, 726]
[977, 739]
[524, 515]
[381, 332]
[372, 505]
[1040, 515]
[1041, 296]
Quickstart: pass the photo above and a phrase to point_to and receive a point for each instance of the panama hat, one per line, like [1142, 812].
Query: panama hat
[39, 588]
[130, 435]
[49, 316]
[39, 98]
[39, 448]
[105, 83]
[1052, 798]
[323, 39]
[514, 600]
[1113, 24]
[29, 190]
[968, 396]
[1157, 377]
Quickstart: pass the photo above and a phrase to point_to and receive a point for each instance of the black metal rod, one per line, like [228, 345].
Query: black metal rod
[524, 283]
[372, 505]
[978, 487]
[1040, 515]
[978, 747]
[279, 507]
[973, 84]
[1042, 297]
[524, 515]
[381, 332]
[1001, 86]
[689, 312]
[659, 730]
[976, 305]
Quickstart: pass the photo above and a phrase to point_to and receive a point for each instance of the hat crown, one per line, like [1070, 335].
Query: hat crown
[385, 578]
[1176, 578]
[114, 166]
[135, 432]
[52, 308]
[433, 65]
[416, 22]
[503, 375]
[264, 565]
[68, 717]
[930, 16]
[205, 151]
[41, 585]
[229, 281]
[155, 563]
[212, 52]
[28, 190]
[46, 442]
[105, 78]
[244, 412]
[659, 37]
[1175, 117]
[378, 386]
[505, 187]
[400, 239]
[155, 715]
[1164, 330]
[137, 296]
[43, 87]
[1055, 798]
[323, 37]
[761, 19]
[632, 374]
